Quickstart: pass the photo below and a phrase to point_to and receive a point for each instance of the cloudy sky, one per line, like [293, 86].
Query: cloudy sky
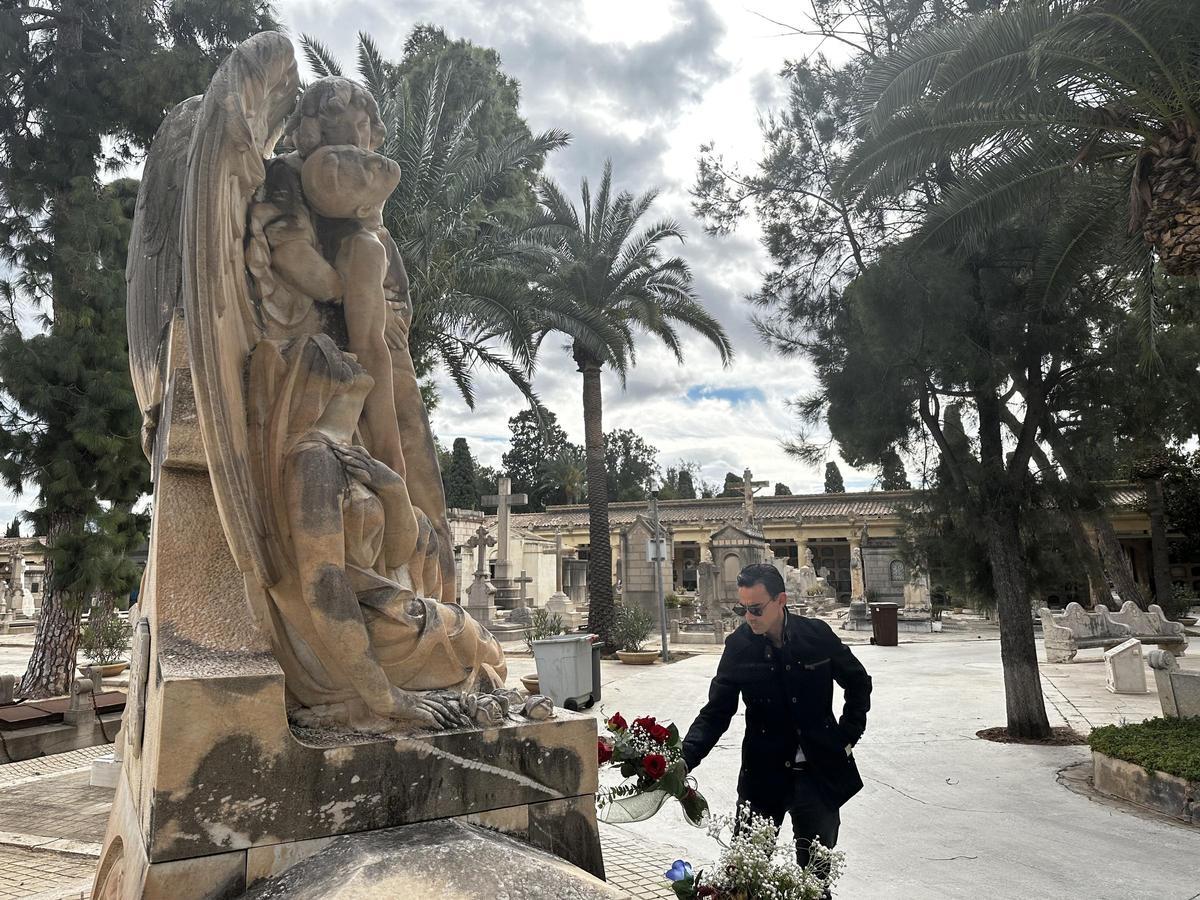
[643, 82]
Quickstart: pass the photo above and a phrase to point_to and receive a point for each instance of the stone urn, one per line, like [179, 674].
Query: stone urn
[530, 683]
[637, 657]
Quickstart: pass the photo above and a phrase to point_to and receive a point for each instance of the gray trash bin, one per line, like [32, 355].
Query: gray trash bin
[564, 667]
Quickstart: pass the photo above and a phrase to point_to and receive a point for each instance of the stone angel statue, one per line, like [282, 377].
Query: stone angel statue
[318, 446]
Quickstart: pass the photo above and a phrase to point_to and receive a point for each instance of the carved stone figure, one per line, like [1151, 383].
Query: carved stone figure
[317, 443]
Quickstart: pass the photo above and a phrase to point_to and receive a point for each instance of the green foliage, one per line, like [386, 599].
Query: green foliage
[782, 490]
[1182, 599]
[678, 482]
[633, 627]
[544, 624]
[541, 461]
[733, 486]
[105, 638]
[671, 600]
[892, 475]
[14, 528]
[833, 479]
[459, 477]
[631, 464]
[1162, 745]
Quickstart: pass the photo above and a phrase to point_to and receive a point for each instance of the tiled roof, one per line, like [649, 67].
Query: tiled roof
[767, 510]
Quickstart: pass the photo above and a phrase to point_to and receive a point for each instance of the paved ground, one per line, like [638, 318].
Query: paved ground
[943, 814]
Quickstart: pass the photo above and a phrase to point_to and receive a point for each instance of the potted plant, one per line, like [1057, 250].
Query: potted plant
[105, 640]
[632, 629]
[544, 624]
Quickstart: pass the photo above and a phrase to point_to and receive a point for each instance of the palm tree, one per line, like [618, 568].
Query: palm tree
[605, 269]
[566, 472]
[1087, 108]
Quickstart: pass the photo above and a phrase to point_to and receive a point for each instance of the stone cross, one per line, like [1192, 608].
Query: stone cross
[504, 500]
[558, 558]
[522, 581]
[748, 488]
[482, 540]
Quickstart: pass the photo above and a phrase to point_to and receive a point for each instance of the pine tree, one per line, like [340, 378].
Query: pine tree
[14, 528]
[97, 77]
[833, 479]
[687, 486]
[782, 490]
[459, 477]
[892, 475]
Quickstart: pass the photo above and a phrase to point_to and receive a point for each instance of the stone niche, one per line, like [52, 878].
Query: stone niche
[218, 791]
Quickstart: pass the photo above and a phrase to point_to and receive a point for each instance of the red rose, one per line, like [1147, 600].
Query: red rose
[603, 751]
[616, 723]
[655, 765]
[659, 734]
[645, 722]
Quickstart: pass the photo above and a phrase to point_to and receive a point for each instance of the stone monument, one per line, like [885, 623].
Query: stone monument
[1124, 670]
[19, 600]
[503, 576]
[304, 681]
[637, 566]
[479, 596]
[560, 603]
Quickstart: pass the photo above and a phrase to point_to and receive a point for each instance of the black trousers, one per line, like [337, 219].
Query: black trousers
[812, 817]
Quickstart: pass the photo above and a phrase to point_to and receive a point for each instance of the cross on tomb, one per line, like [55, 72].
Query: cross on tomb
[504, 500]
[481, 539]
[522, 581]
[748, 489]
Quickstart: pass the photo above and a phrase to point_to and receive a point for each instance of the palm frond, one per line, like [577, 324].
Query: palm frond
[319, 58]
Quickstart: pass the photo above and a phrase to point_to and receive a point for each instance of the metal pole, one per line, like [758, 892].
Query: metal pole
[658, 585]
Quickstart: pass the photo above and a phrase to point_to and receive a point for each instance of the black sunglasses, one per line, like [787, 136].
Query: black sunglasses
[756, 609]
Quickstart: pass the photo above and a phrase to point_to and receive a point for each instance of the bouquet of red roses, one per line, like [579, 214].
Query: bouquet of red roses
[650, 759]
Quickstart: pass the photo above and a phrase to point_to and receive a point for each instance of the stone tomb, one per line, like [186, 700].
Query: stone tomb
[218, 791]
[1124, 670]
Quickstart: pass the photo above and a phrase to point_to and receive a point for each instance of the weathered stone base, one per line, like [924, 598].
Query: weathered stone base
[1167, 794]
[557, 829]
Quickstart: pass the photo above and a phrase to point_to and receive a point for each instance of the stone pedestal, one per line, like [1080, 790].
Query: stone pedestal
[1125, 671]
[561, 605]
[217, 791]
[480, 605]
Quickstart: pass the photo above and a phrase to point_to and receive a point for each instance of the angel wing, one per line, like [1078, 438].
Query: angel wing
[154, 268]
[239, 121]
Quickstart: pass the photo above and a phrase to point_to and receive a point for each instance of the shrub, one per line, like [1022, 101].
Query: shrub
[1164, 745]
[544, 624]
[672, 601]
[1182, 600]
[105, 638]
[633, 627]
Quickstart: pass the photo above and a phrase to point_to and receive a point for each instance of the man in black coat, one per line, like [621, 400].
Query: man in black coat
[796, 757]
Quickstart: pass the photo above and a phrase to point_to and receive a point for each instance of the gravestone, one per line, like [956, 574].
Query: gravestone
[635, 543]
[480, 595]
[1124, 670]
[560, 603]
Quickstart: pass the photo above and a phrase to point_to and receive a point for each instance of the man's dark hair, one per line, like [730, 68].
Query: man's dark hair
[762, 573]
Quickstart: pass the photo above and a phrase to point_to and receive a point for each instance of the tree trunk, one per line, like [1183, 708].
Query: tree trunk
[1161, 564]
[1116, 563]
[1112, 554]
[601, 610]
[1002, 494]
[52, 661]
[1024, 703]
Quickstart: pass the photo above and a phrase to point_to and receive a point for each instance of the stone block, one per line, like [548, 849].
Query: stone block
[1125, 672]
[1178, 692]
[106, 770]
[446, 859]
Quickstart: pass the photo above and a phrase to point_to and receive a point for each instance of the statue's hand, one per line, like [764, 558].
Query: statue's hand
[436, 710]
[366, 469]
